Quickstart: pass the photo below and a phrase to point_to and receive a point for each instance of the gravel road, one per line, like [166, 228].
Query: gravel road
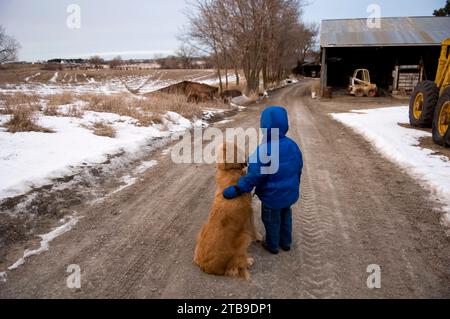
[357, 209]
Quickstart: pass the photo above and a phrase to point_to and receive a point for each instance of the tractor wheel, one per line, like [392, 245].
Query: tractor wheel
[441, 122]
[372, 93]
[423, 103]
[359, 93]
[349, 90]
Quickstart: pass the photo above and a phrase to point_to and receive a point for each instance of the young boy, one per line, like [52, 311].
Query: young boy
[278, 190]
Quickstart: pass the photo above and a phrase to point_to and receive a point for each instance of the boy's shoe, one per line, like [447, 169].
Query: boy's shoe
[270, 250]
[286, 248]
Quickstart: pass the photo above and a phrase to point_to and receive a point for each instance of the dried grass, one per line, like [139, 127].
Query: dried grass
[162, 103]
[149, 109]
[103, 129]
[24, 119]
[12, 101]
[61, 99]
[74, 111]
[52, 110]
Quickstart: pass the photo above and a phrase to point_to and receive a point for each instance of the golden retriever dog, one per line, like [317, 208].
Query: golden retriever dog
[224, 239]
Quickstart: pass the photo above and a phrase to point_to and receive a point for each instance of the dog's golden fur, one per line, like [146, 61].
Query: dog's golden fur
[224, 239]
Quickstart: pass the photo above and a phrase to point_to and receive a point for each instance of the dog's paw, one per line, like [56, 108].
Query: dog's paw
[233, 272]
[250, 262]
[245, 274]
[257, 237]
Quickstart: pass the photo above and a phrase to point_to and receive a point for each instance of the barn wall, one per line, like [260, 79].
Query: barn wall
[380, 61]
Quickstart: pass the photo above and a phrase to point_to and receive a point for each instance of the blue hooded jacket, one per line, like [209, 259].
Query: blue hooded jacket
[280, 189]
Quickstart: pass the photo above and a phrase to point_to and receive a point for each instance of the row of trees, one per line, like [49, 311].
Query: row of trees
[264, 38]
[97, 62]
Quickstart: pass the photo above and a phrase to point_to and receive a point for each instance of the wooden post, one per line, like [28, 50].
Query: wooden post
[323, 72]
[396, 73]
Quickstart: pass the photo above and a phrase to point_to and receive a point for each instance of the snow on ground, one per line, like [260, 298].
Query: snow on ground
[32, 77]
[54, 78]
[127, 181]
[401, 145]
[3, 277]
[62, 83]
[69, 223]
[29, 160]
[145, 166]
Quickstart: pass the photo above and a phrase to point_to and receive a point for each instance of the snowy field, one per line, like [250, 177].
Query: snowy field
[64, 82]
[401, 145]
[32, 159]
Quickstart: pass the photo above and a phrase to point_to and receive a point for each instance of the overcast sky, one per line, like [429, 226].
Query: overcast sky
[143, 28]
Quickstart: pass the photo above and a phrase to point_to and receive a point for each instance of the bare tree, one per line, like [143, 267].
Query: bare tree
[205, 32]
[264, 38]
[307, 36]
[186, 54]
[96, 61]
[8, 47]
[116, 62]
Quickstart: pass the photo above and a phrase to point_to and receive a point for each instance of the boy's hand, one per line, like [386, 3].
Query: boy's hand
[232, 192]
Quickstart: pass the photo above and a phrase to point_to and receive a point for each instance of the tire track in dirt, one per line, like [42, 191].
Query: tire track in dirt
[315, 244]
[163, 240]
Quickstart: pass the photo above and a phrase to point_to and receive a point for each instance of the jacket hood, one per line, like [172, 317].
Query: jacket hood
[275, 117]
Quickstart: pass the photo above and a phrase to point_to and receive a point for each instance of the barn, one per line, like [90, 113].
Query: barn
[399, 52]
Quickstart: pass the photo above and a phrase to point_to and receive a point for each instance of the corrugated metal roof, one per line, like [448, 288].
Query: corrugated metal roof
[402, 31]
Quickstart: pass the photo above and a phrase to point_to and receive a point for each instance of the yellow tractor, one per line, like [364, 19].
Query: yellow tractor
[430, 101]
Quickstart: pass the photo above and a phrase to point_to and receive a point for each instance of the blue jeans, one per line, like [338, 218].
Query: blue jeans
[278, 224]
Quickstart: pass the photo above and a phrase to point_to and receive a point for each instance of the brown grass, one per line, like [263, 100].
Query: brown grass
[51, 110]
[24, 119]
[162, 102]
[61, 98]
[74, 111]
[56, 100]
[119, 104]
[12, 101]
[147, 110]
[103, 129]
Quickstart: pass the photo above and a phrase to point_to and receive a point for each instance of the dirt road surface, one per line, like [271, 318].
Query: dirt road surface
[357, 209]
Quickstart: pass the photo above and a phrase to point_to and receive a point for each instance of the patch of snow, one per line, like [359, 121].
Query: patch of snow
[145, 166]
[175, 122]
[167, 151]
[128, 181]
[200, 124]
[401, 145]
[29, 160]
[208, 113]
[3, 276]
[225, 121]
[46, 239]
[54, 78]
[27, 79]
[215, 81]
